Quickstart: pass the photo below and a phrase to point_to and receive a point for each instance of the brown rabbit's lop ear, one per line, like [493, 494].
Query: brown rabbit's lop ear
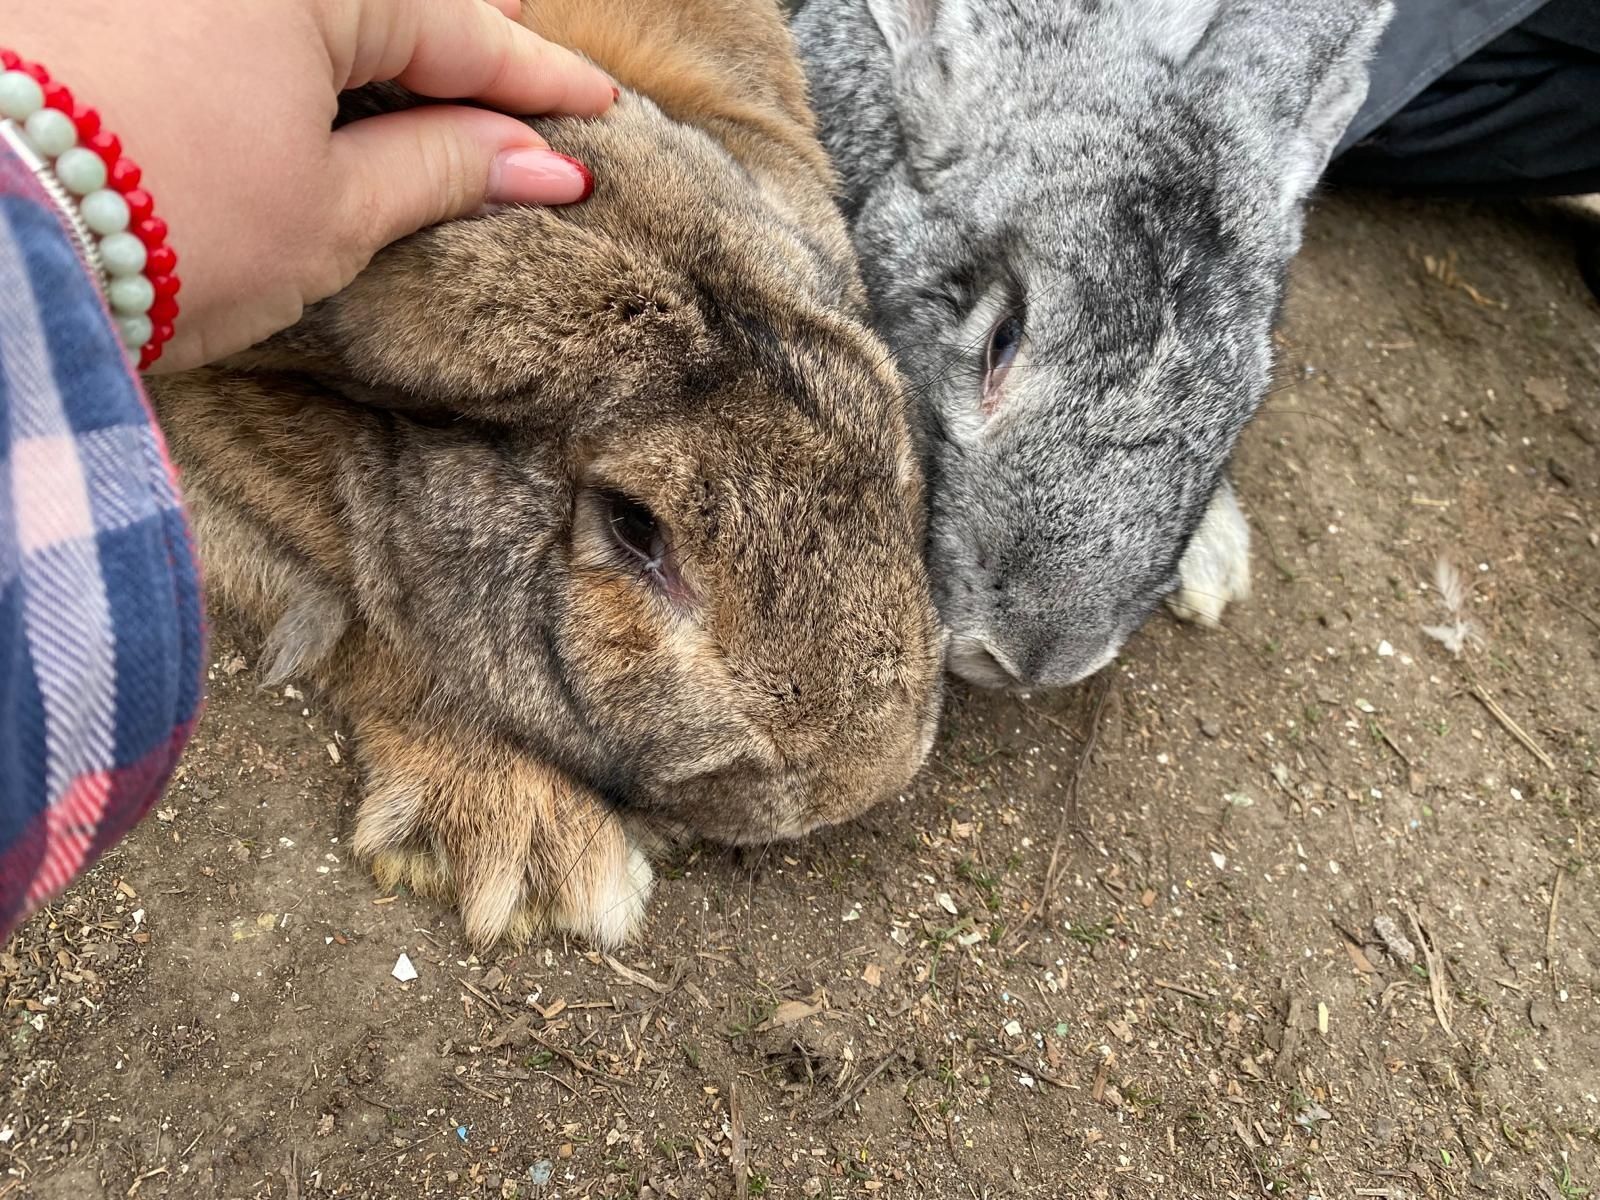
[524, 316]
[520, 315]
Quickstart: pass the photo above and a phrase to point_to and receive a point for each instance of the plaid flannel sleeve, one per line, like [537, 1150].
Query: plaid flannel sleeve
[101, 635]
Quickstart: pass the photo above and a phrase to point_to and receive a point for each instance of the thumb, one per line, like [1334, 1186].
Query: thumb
[404, 171]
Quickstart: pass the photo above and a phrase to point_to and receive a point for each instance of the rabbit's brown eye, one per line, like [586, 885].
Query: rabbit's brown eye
[1005, 339]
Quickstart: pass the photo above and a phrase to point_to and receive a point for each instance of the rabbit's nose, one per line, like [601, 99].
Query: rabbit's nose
[979, 661]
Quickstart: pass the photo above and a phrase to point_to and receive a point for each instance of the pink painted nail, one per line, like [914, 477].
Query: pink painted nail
[538, 177]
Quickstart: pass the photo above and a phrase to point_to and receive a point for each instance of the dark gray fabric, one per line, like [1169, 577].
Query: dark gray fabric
[1519, 118]
[1425, 40]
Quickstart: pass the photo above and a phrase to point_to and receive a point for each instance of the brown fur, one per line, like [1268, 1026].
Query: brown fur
[412, 494]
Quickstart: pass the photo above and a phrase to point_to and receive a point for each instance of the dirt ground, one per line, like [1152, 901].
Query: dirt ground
[1324, 919]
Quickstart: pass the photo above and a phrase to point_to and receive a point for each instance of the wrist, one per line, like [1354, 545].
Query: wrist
[80, 165]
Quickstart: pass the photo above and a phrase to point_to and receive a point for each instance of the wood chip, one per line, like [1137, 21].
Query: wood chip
[637, 978]
[1359, 960]
[788, 1013]
[700, 997]
[1437, 991]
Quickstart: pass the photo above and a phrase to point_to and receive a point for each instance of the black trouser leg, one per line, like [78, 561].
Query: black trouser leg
[1520, 118]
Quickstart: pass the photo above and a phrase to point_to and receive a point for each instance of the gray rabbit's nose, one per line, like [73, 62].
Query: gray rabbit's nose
[980, 662]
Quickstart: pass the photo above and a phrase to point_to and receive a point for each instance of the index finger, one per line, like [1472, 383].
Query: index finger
[470, 50]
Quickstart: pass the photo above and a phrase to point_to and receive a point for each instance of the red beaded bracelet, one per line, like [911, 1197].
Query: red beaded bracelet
[113, 218]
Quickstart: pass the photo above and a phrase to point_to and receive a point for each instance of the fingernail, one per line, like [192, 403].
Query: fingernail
[538, 177]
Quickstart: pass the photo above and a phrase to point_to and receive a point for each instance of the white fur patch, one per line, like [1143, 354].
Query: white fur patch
[1215, 570]
[615, 915]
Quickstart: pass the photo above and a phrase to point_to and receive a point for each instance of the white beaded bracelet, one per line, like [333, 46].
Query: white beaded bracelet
[82, 170]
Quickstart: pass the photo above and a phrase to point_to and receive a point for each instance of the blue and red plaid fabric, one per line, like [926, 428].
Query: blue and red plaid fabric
[101, 634]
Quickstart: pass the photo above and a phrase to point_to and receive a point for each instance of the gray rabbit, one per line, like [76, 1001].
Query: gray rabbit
[1075, 219]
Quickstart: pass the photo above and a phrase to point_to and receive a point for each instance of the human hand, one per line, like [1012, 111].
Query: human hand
[228, 108]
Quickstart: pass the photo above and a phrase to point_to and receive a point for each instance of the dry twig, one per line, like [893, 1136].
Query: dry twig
[736, 1148]
[482, 995]
[638, 978]
[1022, 1064]
[1511, 727]
[1169, 986]
[1436, 969]
[1550, 927]
[866, 1082]
[1069, 811]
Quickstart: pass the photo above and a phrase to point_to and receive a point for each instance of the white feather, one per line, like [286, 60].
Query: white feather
[1460, 631]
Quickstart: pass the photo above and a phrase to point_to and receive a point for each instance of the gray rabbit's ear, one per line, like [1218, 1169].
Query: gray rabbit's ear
[906, 25]
[919, 34]
[1293, 73]
[1172, 28]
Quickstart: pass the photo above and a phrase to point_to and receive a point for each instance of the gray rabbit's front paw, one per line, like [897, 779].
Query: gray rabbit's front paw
[1215, 570]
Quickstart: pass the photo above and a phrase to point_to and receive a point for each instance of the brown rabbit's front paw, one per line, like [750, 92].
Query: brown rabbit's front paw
[518, 846]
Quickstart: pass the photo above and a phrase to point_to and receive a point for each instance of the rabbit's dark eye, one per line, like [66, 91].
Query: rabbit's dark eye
[641, 538]
[634, 527]
[1005, 339]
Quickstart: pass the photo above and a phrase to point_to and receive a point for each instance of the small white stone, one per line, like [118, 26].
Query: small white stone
[1219, 860]
[1385, 650]
[1013, 1028]
[403, 970]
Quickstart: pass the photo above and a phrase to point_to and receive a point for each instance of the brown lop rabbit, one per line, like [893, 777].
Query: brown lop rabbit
[599, 525]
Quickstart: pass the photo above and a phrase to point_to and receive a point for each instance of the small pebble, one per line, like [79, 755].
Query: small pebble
[1388, 929]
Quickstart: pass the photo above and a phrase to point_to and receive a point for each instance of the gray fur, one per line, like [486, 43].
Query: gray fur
[1131, 175]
